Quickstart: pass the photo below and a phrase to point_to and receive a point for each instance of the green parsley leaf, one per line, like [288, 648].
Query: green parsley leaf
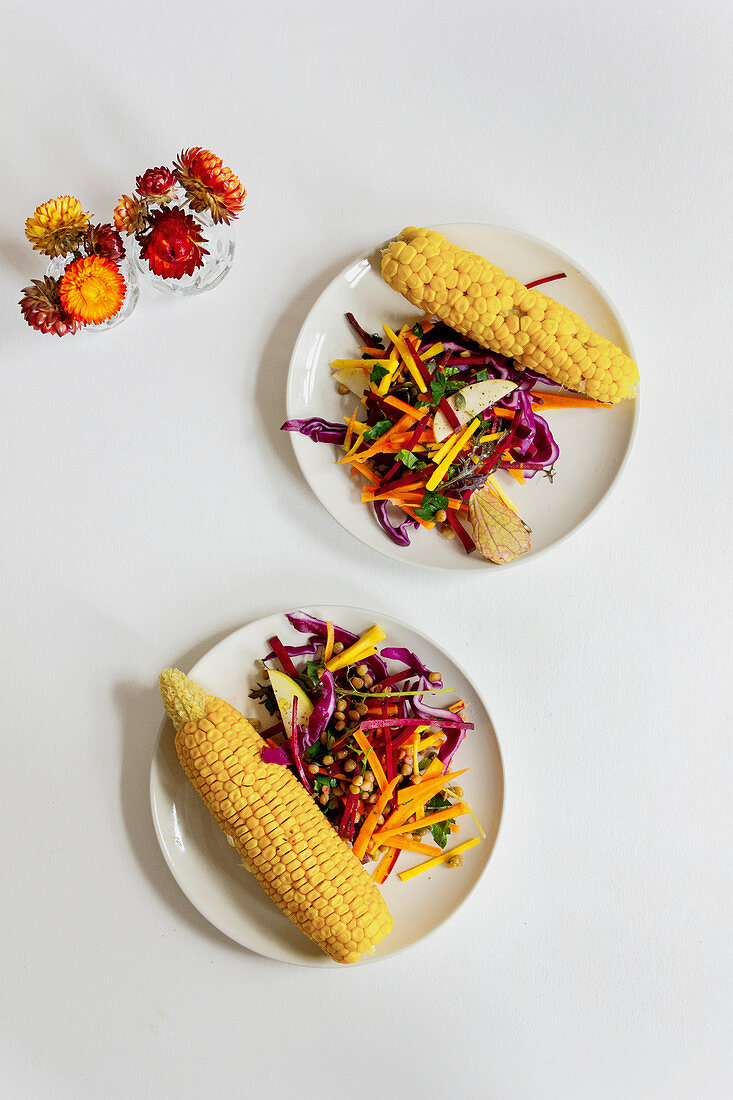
[482, 375]
[437, 387]
[432, 502]
[441, 832]
[417, 330]
[376, 430]
[324, 781]
[378, 373]
[407, 458]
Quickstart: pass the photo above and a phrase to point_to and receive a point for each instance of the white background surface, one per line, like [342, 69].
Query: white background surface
[150, 506]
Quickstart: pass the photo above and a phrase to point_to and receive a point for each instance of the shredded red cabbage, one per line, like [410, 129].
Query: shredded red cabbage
[275, 754]
[396, 531]
[317, 429]
[308, 650]
[322, 711]
[410, 660]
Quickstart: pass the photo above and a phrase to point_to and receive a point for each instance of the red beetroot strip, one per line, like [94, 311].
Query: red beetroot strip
[294, 746]
[424, 372]
[449, 415]
[415, 435]
[379, 723]
[547, 279]
[366, 340]
[283, 657]
[467, 542]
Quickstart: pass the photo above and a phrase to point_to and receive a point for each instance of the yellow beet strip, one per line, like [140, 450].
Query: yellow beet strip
[437, 475]
[437, 860]
[356, 651]
[402, 348]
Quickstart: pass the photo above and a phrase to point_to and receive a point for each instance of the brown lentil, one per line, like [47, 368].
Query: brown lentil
[434, 677]
[328, 760]
[357, 682]
[447, 531]
[441, 515]
[343, 390]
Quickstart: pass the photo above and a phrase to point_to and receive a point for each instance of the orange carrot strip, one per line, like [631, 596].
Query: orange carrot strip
[408, 845]
[370, 821]
[380, 444]
[434, 767]
[376, 767]
[458, 810]
[328, 648]
[566, 401]
[425, 789]
[397, 403]
[457, 706]
[350, 429]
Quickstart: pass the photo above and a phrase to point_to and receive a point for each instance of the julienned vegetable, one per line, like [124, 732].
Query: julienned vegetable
[442, 416]
[374, 748]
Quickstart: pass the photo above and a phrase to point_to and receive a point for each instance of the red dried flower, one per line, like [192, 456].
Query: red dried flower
[173, 245]
[42, 309]
[156, 184]
[105, 241]
[209, 184]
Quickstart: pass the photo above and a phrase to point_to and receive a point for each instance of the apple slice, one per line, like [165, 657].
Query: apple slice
[354, 378]
[476, 398]
[286, 690]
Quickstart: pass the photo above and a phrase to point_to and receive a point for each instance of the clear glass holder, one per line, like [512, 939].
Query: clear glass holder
[218, 239]
[128, 270]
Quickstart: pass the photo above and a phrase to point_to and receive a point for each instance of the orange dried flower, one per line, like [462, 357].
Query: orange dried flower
[92, 290]
[209, 184]
[57, 226]
[130, 215]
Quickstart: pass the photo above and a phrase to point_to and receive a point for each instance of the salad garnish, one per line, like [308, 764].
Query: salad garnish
[374, 747]
[442, 417]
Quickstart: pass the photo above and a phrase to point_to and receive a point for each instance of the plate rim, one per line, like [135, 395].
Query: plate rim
[389, 551]
[316, 962]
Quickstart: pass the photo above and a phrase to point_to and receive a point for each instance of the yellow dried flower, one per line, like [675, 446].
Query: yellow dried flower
[58, 226]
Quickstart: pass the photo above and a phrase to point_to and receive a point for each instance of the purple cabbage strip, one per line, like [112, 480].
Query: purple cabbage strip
[411, 661]
[317, 627]
[276, 755]
[309, 624]
[396, 531]
[308, 650]
[321, 713]
[428, 712]
[317, 429]
[448, 749]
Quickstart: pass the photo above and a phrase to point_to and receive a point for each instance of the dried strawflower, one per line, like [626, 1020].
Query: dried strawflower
[92, 290]
[57, 227]
[104, 240]
[42, 309]
[209, 184]
[173, 245]
[156, 184]
[131, 215]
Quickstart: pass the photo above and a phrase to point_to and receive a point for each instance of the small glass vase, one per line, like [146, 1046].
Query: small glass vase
[218, 239]
[128, 270]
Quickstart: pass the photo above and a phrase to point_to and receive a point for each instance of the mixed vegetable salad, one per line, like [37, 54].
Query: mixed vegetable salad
[373, 747]
[442, 417]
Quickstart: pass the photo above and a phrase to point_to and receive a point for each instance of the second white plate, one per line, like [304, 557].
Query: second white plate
[593, 444]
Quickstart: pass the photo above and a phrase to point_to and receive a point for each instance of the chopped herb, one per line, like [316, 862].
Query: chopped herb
[417, 330]
[482, 375]
[378, 373]
[324, 781]
[378, 340]
[376, 430]
[407, 458]
[440, 829]
[432, 502]
[309, 679]
[264, 694]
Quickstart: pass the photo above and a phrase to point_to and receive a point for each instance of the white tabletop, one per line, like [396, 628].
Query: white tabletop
[151, 506]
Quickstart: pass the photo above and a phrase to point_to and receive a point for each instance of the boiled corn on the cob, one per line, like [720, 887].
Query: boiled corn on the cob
[279, 832]
[480, 301]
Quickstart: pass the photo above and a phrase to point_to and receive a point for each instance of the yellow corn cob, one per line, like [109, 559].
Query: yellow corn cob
[281, 835]
[478, 300]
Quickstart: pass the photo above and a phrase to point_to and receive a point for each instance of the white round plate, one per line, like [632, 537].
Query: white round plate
[209, 871]
[594, 444]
